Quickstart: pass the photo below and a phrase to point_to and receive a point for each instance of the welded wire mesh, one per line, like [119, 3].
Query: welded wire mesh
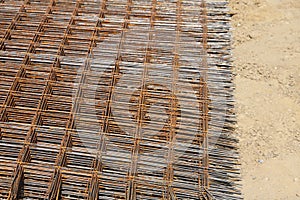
[116, 99]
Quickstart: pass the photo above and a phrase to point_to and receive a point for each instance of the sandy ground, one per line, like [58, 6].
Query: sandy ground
[267, 77]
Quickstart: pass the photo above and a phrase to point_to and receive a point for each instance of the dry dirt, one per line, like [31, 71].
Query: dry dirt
[267, 78]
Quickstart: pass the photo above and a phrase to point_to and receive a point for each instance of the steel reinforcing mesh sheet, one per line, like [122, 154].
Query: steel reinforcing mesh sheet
[116, 99]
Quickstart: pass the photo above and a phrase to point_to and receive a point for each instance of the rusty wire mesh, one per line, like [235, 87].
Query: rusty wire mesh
[116, 99]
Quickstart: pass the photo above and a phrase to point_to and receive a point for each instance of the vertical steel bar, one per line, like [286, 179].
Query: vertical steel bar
[132, 173]
[56, 180]
[203, 181]
[24, 155]
[93, 185]
[116, 69]
[169, 174]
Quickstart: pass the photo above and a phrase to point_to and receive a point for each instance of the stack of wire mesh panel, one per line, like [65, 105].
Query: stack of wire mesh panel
[116, 99]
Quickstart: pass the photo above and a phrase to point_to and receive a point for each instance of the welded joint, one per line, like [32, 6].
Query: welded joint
[93, 189]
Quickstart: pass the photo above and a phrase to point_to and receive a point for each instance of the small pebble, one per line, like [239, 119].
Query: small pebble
[296, 179]
[260, 161]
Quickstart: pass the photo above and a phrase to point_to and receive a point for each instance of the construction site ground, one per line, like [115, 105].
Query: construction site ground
[267, 74]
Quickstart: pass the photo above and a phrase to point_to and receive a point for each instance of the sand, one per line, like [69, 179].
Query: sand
[267, 78]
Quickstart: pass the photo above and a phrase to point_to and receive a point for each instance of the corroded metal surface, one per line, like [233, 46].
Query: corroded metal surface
[116, 99]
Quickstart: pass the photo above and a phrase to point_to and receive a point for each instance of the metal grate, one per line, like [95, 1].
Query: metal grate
[116, 99]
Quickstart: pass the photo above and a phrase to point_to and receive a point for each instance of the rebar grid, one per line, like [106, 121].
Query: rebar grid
[116, 99]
